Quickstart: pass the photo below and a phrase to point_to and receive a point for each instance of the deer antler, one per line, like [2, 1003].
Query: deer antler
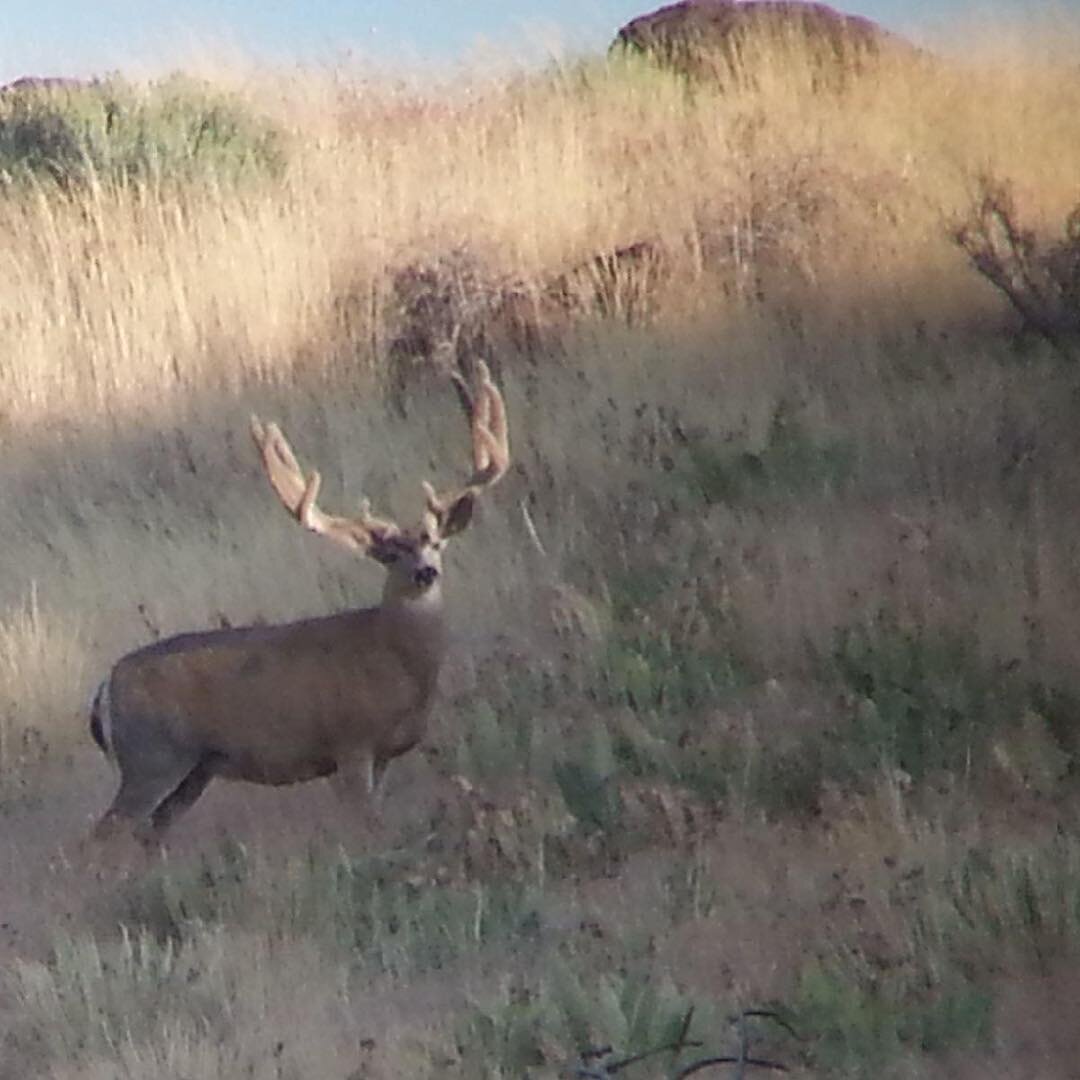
[298, 495]
[486, 413]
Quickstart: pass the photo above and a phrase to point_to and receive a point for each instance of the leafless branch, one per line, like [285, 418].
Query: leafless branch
[1043, 285]
[592, 1067]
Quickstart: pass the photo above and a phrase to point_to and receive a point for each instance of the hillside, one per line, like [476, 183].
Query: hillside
[765, 685]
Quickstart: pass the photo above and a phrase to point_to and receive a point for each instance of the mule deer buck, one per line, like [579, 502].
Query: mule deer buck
[341, 694]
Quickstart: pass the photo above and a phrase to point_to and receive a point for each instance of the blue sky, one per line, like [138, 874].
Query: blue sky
[82, 37]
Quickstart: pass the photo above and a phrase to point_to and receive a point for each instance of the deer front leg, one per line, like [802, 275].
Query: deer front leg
[357, 785]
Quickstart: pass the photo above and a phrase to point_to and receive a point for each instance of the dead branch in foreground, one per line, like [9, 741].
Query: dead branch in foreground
[598, 1064]
[1041, 282]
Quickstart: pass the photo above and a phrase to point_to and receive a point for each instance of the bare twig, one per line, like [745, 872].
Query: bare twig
[768, 1014]
[530, 528]
[743, 1060]
[608, 1069]
[709, 1063]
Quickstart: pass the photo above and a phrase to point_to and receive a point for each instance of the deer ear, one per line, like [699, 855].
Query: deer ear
[457, 515]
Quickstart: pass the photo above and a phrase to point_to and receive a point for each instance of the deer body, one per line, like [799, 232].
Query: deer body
[280, 704]
[275, 705]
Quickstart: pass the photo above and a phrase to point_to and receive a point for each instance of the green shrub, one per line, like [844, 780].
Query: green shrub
[1025, 903]
[571, 1014]
[653, 672]
[921, 701]
[862, 1024]
[588, 783]
[791, 461]
[177, 129]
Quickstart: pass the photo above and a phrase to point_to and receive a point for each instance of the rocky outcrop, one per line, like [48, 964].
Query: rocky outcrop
[699, 37]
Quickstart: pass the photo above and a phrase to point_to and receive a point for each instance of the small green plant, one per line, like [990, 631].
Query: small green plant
[652, 672]
[921, 701]
[169, 899]
[572, 1016]
[511, 739]
[404, 929]
[862, 1023]
[488, 747]
[589, 785]
[792, 461]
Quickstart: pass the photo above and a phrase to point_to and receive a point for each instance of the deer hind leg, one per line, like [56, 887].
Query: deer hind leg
[184, 796]
[145, 787]
[376, 771]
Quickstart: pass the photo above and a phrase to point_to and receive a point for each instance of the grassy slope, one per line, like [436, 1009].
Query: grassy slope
[798, 719]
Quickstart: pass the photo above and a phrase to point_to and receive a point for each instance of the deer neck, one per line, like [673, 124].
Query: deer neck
[415, 620]
[419, 612]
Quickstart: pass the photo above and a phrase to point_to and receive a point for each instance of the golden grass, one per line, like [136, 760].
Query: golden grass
[119, 298]
[808, 280]
[33, 647]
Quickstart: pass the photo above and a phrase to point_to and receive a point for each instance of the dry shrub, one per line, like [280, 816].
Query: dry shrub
[1040, 280]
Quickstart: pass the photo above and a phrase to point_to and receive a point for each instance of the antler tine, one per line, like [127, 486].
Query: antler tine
[282, 468]
[495, 426]
[476, 414]
[373, 523]
[491, 450]
[299, 496]
[486, 413]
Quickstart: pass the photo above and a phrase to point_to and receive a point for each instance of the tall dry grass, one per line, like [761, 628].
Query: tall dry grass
[820, 415]
[118, 296]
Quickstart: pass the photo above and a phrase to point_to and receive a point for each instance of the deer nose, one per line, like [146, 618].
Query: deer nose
[425, 575]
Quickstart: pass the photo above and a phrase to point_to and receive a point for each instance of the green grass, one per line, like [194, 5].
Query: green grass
[383, 914]
[791, 462]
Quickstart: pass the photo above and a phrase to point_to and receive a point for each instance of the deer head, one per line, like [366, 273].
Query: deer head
[412, 556]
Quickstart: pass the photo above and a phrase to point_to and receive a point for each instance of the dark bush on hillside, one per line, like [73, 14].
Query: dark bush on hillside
[177, 129]
[1041, 281]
